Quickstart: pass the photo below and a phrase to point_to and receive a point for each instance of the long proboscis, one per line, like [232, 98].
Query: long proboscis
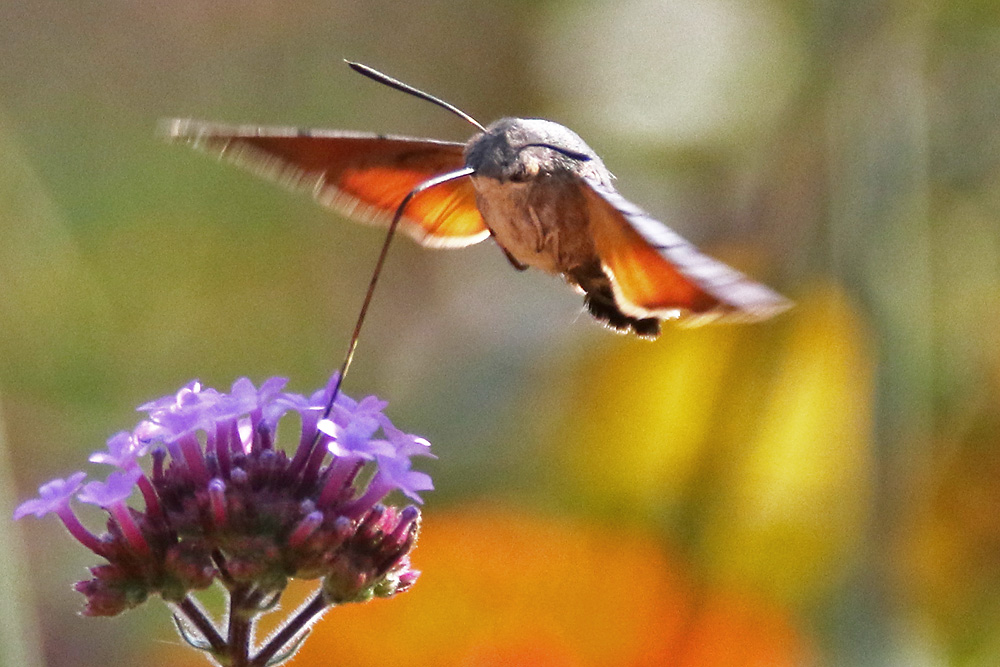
[379, 263]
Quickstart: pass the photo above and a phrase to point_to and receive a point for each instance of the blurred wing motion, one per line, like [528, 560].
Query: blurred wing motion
[364, 176]
[656, 273]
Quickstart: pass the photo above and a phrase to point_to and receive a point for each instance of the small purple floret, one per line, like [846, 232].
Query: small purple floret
[55, 497]
[52, 496]
[123, 451]
[170, 418]
[116, 489]
[396, 473]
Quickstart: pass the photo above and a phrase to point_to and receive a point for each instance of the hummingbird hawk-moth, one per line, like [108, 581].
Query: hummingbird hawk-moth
[543, 194]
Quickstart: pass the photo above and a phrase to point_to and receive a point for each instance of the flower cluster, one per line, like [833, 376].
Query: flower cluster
[222, 503]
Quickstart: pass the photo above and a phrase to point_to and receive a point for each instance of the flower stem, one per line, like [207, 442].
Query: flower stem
[193, 612]
[220, 563]
[241, 617]
[302, 619]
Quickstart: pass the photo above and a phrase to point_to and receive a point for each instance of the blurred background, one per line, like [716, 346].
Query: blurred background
[820, 489]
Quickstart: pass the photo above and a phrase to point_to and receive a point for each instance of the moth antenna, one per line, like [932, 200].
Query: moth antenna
[396, 217]
[386, 80]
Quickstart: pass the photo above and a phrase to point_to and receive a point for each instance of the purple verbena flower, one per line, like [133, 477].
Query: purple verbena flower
[224, 503]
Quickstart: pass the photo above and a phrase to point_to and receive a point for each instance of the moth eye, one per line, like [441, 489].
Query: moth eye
[520, 172]
[525, 167]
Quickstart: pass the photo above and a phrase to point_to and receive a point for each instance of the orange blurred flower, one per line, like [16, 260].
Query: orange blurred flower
[505, 588]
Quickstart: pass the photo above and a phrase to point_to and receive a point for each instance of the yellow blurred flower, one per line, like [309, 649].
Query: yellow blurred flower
[756, 440]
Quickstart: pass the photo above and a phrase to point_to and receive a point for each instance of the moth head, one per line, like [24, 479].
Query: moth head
[520, 149]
